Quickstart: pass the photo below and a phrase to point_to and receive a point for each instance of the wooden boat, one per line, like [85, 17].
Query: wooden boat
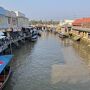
[5, 69]
[34, 36]
[62, 35]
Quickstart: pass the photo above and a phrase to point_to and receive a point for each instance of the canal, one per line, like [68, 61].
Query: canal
[50, 64]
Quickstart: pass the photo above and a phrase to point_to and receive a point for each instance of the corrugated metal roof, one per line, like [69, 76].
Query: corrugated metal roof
[4, 12]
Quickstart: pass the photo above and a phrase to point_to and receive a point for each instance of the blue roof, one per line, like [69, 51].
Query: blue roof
[3, 11]
[4, 61]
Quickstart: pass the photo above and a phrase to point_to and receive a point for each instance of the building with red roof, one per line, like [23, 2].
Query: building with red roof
[82, 22]
[81, 27]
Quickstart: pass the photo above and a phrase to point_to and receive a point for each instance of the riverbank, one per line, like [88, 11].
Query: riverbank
[84, 41]
[50, 64]
[86, 44]
[13, 39]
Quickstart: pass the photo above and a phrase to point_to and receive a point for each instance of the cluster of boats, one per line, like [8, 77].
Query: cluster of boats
[13, 37]
[5, 60]
[35, 34]
[63, 35]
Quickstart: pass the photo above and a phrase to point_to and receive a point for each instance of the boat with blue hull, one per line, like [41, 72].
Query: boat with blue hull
[5, 69]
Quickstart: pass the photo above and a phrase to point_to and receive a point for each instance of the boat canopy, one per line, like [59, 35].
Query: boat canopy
[4, 61]
[1, 37]
[1, 33]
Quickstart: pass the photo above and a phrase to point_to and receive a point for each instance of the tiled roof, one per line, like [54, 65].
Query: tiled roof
[80, 21]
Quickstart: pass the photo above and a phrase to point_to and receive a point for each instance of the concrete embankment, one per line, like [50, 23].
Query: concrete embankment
[85, 43]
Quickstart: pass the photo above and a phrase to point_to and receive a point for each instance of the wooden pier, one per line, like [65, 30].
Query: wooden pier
[15, 40]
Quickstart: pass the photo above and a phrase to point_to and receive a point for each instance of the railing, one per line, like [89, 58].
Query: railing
[81, 29]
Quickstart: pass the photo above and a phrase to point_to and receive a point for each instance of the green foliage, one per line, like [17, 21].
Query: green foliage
[34, 22]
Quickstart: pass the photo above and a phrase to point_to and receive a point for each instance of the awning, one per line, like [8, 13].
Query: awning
[4, 61]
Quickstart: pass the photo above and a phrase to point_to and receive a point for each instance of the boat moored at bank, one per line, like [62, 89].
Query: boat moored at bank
[34, 36]
[5, 69]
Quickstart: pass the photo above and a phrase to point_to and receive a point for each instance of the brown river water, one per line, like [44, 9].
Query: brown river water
[50, 64]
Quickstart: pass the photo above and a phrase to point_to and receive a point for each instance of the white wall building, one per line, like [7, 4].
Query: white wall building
[4, 14]
[13, 20]
[66, 22]
[22, 20]
[10, 19]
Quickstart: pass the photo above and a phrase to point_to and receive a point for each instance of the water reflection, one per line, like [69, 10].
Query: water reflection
[82, 52]
[66, 42]
[69, 74]
[50, 64]
[19, 63]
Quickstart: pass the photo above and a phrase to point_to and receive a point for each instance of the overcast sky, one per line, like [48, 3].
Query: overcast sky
[49, 9]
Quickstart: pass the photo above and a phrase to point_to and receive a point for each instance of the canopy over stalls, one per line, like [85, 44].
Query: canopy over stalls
[4, 61]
